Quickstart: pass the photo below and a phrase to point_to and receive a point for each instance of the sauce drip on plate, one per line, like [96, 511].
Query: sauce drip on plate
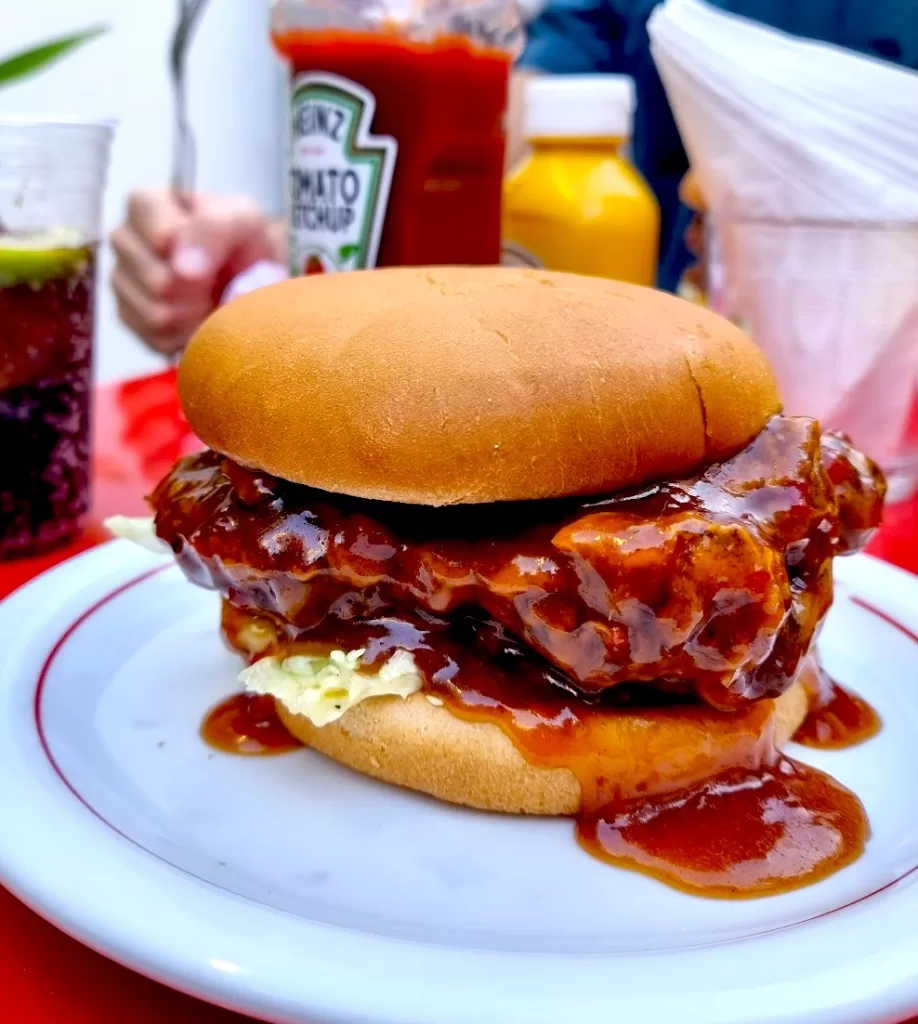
[247, 724]
[837, 717]
[739, 833]
[721, 813]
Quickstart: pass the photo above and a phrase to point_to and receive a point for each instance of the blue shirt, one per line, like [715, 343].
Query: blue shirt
[588, 36]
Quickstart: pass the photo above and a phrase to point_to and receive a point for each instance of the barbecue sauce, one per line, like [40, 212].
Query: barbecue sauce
[680, 612]
[247, 724]
[712, 808]
[713, 585]
[739, 833]
[837, 717]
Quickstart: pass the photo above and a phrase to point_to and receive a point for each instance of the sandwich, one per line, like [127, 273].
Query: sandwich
[531, 543]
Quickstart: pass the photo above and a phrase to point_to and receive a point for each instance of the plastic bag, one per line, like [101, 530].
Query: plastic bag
[807, 155]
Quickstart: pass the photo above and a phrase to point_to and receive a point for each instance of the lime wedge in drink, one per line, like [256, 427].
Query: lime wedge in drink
[35, 257]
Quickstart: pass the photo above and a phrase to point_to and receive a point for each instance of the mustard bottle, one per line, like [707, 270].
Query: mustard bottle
[576, 203]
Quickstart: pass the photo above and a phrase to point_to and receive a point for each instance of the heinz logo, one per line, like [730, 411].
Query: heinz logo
[315, 118]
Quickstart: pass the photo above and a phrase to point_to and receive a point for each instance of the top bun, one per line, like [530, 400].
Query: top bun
[464, 385]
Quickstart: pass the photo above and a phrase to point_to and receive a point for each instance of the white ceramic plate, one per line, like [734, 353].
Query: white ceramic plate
[296, 890]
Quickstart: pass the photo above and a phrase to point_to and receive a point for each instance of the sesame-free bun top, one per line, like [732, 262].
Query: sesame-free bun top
[457, 385]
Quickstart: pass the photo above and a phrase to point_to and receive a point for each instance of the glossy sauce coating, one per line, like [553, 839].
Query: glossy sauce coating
[484, 674]
[713, 585]
[565, 622]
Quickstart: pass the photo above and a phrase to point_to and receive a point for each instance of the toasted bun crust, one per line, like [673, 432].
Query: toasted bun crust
[413, 743]
[463, 385]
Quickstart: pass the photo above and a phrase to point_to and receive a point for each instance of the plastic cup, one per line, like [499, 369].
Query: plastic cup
[52, 176]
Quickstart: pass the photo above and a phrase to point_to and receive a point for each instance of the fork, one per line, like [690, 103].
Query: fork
[183, 154]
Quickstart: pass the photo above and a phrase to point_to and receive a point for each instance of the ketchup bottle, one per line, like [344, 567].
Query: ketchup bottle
[396, 139]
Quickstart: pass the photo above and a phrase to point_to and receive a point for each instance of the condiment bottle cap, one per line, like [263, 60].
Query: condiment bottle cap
[579, 107]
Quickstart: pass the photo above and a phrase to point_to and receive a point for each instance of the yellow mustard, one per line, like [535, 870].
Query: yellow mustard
[576, 203]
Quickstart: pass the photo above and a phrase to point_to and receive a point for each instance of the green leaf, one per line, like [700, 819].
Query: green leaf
[347, 251]
[30, 61]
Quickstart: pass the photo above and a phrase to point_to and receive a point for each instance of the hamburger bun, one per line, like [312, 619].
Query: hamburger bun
[423, 746]
[470, 385]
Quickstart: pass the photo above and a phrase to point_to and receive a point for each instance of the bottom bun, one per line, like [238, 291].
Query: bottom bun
[424, 746]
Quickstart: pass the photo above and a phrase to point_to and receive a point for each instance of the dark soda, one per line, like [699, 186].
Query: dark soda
[46, 320]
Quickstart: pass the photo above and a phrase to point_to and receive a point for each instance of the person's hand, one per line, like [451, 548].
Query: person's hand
[695, 276]
[691, 195]
[172, 263]
[690, 192]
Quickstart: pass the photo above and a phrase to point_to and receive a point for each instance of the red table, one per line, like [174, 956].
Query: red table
[45, 976]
